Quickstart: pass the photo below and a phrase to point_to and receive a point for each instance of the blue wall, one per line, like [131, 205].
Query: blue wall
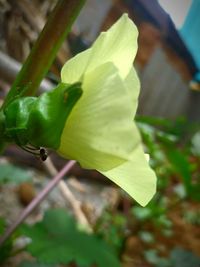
[190, 31]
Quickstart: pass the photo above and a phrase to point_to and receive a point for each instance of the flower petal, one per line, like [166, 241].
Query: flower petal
[135, 177]
[118, 45]
[132, 83]
[99, 132]
[74, 68]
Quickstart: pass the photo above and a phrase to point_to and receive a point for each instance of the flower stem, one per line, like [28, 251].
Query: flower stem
[36, 201]
[45, 49]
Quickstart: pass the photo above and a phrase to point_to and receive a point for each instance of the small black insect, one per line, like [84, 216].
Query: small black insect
[43, 154]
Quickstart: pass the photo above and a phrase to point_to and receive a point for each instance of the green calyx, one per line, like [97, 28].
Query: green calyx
[39, 121]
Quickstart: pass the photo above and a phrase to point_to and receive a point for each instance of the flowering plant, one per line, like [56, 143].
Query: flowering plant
[89, 116]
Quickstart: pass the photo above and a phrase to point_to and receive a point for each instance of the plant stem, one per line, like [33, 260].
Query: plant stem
[45, 49]
[36, 201]
[69, 196]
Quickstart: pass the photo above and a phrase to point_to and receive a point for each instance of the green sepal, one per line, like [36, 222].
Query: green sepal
[49, 114]
[40, 121]
[16, 120]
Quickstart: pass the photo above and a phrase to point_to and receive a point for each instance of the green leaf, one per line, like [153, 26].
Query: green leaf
[12, 174]
[58, 240]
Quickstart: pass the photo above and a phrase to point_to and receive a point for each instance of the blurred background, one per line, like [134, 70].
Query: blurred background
[166, 233]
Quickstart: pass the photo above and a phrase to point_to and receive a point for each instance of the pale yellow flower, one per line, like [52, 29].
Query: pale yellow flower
[100, 132]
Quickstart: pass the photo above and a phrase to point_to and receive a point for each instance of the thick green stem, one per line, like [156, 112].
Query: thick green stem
[44, 51]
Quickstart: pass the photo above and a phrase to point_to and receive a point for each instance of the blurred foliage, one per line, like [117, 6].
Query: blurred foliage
[34, 264]
[2, 225]
[13, 174]
[5, 250]
[178, 258]
[57, 239]
[112, 228]
[183, 258]
[175, 157]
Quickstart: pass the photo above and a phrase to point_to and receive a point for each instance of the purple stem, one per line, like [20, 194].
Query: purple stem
[36, 201]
